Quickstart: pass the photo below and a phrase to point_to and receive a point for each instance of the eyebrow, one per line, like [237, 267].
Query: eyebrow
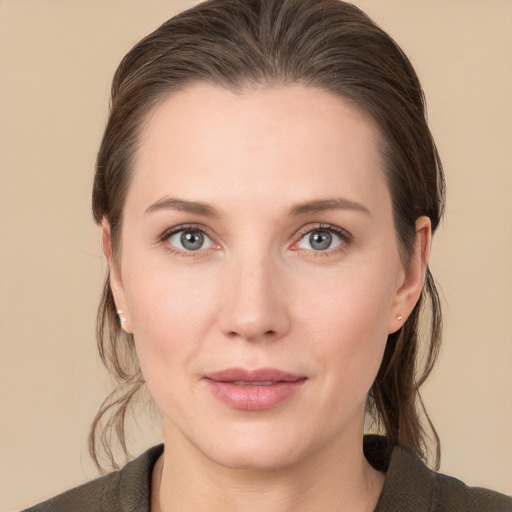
[206, 210]
[322, 205]
[183, 205]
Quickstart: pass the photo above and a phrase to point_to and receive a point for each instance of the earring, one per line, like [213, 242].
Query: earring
[122, 318]
[399, 318]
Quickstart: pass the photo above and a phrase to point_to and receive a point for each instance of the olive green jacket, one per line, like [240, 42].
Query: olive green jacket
[410, 487]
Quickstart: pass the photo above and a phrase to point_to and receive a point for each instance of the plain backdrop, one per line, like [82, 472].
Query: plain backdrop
[57, 58]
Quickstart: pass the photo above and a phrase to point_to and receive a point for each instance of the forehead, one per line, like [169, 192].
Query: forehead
[206, 139]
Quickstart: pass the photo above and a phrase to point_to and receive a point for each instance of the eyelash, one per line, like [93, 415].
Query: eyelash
[344, 236]
[177, 229]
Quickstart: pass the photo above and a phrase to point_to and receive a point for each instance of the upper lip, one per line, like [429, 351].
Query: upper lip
[257, 375]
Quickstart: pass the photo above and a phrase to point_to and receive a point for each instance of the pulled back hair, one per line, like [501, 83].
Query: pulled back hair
[327, 44]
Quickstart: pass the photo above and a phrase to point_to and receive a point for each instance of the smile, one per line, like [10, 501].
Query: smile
[253, 390]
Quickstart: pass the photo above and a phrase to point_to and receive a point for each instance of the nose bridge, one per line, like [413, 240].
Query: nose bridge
[255, 308]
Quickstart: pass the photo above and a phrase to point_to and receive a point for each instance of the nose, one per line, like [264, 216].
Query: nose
[254, 301]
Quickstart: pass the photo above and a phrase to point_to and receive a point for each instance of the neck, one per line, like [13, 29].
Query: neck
[336, 478]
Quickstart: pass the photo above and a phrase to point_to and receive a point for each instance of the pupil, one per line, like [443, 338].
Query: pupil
[320, 240]
[192, 240]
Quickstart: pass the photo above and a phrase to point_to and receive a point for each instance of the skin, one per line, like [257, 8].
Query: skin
[258, 294]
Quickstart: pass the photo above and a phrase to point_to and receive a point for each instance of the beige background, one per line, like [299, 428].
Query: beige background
[57, 58]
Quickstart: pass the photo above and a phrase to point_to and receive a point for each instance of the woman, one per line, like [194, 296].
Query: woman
[268, 187]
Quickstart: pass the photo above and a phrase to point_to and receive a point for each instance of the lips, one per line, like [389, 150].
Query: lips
[253, 390]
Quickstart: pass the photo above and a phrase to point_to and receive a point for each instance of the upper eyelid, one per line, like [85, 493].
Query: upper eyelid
[324, 227]
[183, 227]
[301, 232]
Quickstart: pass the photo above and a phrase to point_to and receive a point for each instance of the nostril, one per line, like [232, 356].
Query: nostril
[265, 334]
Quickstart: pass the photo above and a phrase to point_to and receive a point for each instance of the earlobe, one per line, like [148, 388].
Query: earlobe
[115, 278]
[410, 288]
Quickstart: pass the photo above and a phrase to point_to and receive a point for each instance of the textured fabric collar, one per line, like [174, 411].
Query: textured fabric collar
[409, 484]
[133, 492]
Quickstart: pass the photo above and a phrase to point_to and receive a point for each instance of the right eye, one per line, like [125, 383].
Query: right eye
[189, 239]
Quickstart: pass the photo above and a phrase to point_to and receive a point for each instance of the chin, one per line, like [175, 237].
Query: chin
[258, 449]
[256, 458]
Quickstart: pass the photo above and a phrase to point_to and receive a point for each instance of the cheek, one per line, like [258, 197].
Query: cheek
[357, 298]
[359, 334]
[171, 311]
[349, 327]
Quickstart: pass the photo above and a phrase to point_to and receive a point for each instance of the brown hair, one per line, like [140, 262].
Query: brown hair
[326, 44]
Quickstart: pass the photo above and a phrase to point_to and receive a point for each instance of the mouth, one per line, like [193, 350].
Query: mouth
[242, 383]
[254, 390]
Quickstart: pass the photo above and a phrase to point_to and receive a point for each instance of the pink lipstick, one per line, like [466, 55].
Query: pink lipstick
[253, 390]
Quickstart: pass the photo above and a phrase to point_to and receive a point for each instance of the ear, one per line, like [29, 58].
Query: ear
[413, 277]
[116, 281]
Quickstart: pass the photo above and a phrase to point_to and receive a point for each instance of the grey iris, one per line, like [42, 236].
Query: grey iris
[192, 240]
[320, 240]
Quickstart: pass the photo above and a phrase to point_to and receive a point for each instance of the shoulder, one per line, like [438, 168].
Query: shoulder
[452, 494]
[411, 485]
[85, 498]
[120, 491]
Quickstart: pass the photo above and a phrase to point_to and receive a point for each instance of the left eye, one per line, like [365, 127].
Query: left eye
[190, 240]
[319, 240]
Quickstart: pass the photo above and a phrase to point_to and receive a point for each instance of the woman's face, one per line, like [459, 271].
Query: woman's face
[259, 271]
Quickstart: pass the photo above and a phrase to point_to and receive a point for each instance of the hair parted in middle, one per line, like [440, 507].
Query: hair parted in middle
[240, 44]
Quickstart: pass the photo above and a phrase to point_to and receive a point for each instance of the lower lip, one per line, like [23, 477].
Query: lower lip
[254, 398]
